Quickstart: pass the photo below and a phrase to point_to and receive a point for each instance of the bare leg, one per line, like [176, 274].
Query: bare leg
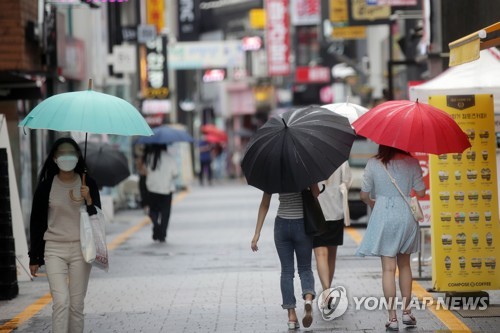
[292, 316]
[405, 277]
[322, 256]
[332, 257]
[389, 283]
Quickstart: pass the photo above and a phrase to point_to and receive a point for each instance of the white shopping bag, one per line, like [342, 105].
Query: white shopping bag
[87, 237]
[98, 223]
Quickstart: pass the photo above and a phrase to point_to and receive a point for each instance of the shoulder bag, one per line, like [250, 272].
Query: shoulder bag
[414, 204]
[314, 220]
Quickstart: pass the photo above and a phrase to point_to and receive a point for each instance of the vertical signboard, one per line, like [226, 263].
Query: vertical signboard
[155, 14]
[156, 68]
[465, 225]
[278, 37]
[188, 14]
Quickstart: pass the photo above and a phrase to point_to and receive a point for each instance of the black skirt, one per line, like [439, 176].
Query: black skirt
[333, 237]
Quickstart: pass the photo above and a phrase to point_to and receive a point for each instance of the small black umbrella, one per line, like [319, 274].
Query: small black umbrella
[297, 149]
[107, 165]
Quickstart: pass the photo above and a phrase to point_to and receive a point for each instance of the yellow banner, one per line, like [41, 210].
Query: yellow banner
[155, 14]
[362, 11]
[354, 32]
[339, 12]
[257, 18]
[464, 201]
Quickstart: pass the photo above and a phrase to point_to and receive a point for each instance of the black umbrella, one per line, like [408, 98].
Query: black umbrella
[297, 149]
[107, 165]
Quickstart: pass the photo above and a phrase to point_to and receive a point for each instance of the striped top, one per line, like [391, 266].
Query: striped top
[290, 206]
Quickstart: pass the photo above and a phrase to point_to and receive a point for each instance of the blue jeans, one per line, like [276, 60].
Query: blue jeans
[290, 237]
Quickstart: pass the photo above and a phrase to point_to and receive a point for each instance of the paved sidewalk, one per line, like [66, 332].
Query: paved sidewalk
[205, 278]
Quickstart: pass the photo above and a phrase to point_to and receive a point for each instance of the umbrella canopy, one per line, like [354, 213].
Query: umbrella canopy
[87, 111]
[297, 149]
[349, 110]
[213, 138]
[214, 132]
[165, 135]
[412, 127]
[107, 165]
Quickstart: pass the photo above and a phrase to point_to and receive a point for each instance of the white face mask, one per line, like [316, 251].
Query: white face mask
[67, 163]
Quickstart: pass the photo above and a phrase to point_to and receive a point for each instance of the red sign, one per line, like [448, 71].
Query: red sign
[278, 37]
[308, 74]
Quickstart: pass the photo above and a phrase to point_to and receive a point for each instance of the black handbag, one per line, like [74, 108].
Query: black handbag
[314, 220]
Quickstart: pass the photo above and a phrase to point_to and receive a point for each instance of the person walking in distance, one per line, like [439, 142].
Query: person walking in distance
[55, 232]
[392, 233]
[205, 161]
[291, 240]
[332, 202]
[161, 170]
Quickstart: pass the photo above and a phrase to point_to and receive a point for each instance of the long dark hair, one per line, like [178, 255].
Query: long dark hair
[50, 168]
[386, 153]
[152, 155]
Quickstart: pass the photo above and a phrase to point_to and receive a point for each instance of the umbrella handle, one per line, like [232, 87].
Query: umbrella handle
[71, 195]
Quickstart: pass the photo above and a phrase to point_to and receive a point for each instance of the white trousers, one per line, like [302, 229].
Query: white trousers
[68, 276]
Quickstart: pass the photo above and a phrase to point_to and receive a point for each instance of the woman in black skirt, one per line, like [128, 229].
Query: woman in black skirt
[325, 245]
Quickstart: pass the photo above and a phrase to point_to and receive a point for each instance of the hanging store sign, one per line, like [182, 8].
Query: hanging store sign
[361, 13]
[188, 20]
[253, 43]
[278, 37]
[156, 69]
[155, 14]
[308, 74]
[305, 12]
[214, 75]
[207, 54]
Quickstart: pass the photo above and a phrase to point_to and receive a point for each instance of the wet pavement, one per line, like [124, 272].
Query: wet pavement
[205, 278]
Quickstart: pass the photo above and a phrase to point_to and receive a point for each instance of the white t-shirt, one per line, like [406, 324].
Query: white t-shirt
[161, 180]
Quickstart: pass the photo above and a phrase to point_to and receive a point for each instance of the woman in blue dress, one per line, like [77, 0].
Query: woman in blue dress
[392, 233]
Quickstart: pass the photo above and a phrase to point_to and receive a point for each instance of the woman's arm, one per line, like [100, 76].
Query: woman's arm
[263, 209]
[365, 197]
[420, 193]
[93, 199]
[315, 190]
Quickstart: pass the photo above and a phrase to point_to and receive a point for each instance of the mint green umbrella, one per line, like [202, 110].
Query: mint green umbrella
[87, 111]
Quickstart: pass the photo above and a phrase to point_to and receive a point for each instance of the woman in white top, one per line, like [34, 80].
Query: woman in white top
[161, 171]
[332, 204]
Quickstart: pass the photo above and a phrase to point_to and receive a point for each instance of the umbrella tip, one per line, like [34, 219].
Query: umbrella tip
[416, 101]
[90, 84]
[284, 122]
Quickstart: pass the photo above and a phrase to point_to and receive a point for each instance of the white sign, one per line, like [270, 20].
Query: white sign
[305, 12]
[207, 54]
[123, 59]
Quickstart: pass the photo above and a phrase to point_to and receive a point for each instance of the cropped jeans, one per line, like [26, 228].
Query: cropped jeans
[290, 238]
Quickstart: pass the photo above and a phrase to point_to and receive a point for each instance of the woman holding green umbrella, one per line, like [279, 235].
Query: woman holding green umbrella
[55, 232]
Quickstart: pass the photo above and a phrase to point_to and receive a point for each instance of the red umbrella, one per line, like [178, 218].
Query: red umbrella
[412, 127]
[214, 132]
[212, 138]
